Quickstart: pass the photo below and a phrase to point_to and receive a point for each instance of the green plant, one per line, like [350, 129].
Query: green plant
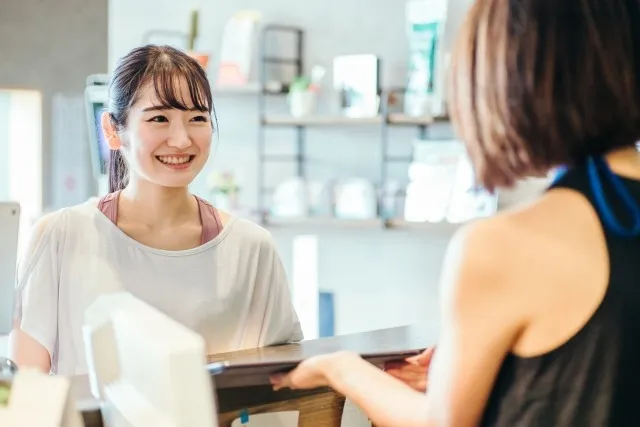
[193, 29]
[300, 84]
[223, 183]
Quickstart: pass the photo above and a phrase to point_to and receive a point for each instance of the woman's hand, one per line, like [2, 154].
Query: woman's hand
[313, 372]
[413, 371]
[384, 399]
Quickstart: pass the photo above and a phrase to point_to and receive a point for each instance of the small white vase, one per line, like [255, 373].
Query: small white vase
[302, 103]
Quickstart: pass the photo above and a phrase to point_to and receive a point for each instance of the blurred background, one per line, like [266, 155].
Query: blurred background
[333, 133]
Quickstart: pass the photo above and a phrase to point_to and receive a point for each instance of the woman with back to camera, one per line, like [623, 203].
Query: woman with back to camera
[215, 273]
[540, 304]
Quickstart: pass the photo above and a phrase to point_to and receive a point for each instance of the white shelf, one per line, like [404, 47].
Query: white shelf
[248, 89]
[320, 120]
[322, 222]
[254, 88]
[332, 222]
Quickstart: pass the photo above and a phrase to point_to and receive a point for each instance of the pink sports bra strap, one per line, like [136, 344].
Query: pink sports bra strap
[209, 217]
[108, 205]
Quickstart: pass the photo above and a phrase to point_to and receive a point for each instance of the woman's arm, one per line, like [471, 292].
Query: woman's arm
[36, 301]
[386, 400]
[482, 315]
[25, 351]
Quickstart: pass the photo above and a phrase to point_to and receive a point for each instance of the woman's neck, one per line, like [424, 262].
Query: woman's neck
[156, 206]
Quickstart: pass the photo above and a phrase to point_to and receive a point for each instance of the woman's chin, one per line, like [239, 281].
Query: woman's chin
[173, 180]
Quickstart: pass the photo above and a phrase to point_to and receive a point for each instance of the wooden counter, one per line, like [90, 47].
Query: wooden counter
[244, 386]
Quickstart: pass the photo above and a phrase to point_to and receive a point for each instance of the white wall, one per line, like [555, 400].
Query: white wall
[25, 156]
[4, 166]
[51, 47]
[21, 159]
[130, 21]
[5, 101]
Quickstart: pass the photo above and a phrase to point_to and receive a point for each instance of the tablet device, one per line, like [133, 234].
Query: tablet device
[232, 375]
[254, 366]
[9, 226]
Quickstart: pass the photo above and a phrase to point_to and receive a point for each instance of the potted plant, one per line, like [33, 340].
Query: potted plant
[302, 97]
[202, 58]
[224, 189]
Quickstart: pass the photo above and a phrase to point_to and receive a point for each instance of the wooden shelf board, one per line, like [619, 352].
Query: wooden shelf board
[403, 119]
[444, 227]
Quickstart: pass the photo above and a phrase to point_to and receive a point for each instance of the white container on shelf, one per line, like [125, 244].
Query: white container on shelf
[302, 103]
[468, 200]
[290, 199]
[356, 199]
[432, 176]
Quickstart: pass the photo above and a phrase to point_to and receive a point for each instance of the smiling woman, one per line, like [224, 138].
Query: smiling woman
[172, 92]
[217, 274]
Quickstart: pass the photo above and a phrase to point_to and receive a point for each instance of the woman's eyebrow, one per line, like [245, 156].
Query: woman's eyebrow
[163, 108]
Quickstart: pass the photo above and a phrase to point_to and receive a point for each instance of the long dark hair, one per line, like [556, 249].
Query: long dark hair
[161, 66]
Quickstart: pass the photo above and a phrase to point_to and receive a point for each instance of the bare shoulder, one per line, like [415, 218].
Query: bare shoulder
[526, 246]
[559, 221]
[558, 218]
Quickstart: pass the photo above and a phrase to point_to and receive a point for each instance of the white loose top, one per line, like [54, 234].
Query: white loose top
[232, 290]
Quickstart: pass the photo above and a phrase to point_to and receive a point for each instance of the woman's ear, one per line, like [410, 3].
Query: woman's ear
[109, 131]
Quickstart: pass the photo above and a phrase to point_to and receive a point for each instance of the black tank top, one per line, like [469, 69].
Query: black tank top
[594, 378]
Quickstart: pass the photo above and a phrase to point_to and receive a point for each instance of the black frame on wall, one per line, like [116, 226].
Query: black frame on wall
[264, 62]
